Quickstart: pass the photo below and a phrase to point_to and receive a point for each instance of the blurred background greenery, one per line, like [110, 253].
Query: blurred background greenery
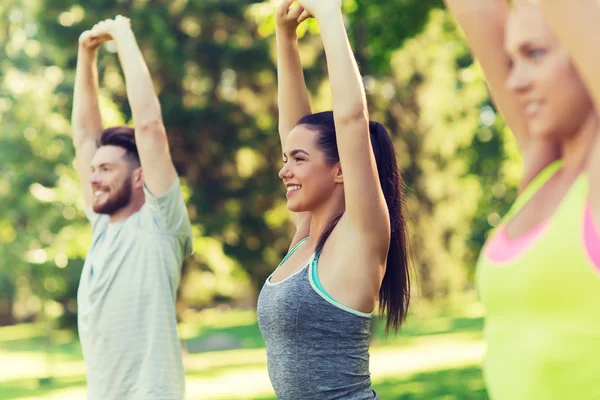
[213, 63]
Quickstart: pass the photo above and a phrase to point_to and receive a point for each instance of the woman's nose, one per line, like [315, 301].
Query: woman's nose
[519, 78]
[284, 172]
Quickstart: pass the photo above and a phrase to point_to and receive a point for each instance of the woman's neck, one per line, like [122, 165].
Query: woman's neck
[323, 215]
[576, 150]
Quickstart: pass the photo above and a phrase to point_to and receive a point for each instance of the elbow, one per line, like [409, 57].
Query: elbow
[357, 113]
[78, 143]
[148, 117]
[152, 124]
[151, 130]
[83, 138]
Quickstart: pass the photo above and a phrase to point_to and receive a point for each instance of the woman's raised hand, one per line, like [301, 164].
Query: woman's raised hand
[320, 9]
[287, 18]
[108, 29]
[89, 42]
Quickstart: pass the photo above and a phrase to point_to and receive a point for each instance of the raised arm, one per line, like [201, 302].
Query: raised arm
[484, 23]
[292, 95]
[150, 134]
[366, 209]
[577, 25]
[86, 121]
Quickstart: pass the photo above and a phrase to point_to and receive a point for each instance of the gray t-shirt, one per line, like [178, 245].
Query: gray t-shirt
[126, 301]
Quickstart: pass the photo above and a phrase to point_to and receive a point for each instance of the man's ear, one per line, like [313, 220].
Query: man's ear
[339, 176]
[138, 178]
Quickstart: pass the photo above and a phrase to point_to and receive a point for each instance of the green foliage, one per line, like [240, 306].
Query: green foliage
[213, 63]
[378, 29]
[216, 79]
[39, 224]
[436, 103]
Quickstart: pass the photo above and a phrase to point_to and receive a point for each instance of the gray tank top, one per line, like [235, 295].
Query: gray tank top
[316, 348]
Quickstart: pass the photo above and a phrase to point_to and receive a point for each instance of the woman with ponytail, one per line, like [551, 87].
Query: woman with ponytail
[349, 252]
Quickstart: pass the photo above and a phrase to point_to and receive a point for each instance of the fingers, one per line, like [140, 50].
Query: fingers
[294, 13]
[101, 26]
[102, 32]
[304, 16]
[105, 30]
[90, 41]
[94, 42]
[123, 20]
[107, 24]
[85, 36]
[88, 38]
[283, 8]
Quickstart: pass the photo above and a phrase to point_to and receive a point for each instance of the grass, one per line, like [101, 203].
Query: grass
[432, 358]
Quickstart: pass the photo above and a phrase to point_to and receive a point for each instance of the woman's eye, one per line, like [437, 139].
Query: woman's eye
[536, 53]
[299, 159]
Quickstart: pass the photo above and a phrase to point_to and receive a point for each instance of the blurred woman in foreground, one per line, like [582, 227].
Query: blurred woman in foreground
[539, 273]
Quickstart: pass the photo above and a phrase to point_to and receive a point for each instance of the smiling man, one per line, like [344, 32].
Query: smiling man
[141, 233]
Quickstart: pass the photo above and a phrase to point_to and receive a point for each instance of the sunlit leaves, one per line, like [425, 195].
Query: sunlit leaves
[213, 64]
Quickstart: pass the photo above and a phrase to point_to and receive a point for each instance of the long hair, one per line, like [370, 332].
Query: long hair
[122, 136]
[394, 294]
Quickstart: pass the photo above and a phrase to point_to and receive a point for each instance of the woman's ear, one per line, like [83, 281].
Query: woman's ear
[339, 176]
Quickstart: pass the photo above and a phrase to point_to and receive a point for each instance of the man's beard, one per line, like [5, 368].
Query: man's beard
[116, 201]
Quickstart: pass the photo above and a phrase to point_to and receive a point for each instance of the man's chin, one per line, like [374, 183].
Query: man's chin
[101, 209]
[98, 210]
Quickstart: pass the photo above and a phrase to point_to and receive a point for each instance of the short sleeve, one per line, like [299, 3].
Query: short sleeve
[169, 210]
[96, 220]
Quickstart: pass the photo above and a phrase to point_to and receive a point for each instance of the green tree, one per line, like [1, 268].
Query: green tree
[213, 64]
[454, 151]
[38, 228]
[214, 67]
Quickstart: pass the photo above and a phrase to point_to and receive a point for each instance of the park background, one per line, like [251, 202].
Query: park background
[214, 67]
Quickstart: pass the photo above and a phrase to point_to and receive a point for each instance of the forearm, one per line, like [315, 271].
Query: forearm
[575, 23]
[349, 101]
[293, 98]
[86, 120]
[143, 100]
[469, 7]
